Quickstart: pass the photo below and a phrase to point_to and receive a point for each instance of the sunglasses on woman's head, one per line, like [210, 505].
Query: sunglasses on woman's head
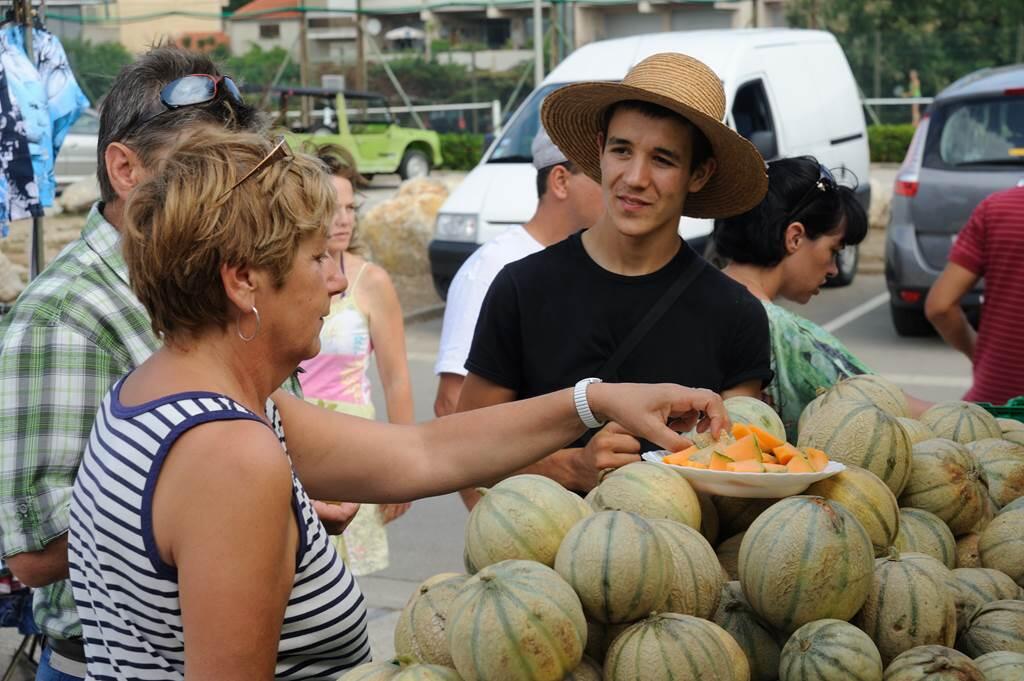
[825, 183]
[280, 150]
[195, 89]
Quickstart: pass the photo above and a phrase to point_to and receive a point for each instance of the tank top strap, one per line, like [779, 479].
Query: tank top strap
[355, 282]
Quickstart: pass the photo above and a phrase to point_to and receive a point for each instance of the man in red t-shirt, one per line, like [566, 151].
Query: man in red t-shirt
[990, 246]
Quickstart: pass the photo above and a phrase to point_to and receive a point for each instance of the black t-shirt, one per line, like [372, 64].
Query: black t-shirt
[556, 316]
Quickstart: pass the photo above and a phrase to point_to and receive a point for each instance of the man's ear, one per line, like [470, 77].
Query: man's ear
[240, 285]
[558, 182]
[700, 176]
[795, 234]
[124, 168]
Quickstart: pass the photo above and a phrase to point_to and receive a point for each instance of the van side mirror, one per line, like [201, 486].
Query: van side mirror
[766, 143]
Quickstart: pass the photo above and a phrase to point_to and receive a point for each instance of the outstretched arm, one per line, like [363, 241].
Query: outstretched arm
[942, 307]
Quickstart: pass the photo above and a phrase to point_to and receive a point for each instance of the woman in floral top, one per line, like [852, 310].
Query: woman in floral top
[787, 247]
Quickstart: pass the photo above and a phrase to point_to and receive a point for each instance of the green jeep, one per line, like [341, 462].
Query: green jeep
[361, 123]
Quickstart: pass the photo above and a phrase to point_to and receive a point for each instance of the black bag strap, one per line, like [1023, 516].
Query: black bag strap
[657, 311]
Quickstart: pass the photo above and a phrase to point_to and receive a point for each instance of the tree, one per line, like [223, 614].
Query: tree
[96, 65]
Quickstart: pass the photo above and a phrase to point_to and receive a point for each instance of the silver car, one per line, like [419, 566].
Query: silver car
[76, 159]
[969, 144]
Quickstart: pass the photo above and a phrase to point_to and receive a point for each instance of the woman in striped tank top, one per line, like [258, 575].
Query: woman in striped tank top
[194, 550]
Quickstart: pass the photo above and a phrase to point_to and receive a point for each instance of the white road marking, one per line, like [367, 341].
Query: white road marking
[930, 381]
[856, 313]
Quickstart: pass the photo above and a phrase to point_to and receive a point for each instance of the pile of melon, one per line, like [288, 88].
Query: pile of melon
[906, 566]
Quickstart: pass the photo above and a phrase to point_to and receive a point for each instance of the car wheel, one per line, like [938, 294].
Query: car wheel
[910, 322]
[847, 262]
[414, 164]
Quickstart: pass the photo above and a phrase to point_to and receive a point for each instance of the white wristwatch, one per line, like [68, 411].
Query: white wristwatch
[579, 396]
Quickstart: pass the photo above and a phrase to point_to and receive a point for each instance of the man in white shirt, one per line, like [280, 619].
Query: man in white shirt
[568, 201]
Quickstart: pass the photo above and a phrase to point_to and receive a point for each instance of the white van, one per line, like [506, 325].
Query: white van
[790, 92]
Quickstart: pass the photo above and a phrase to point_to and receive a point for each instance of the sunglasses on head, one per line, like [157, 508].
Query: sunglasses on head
[280, 150]
[195, 89]
[825, 183]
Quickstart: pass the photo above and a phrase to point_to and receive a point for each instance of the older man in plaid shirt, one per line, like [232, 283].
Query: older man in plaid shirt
[78, 327]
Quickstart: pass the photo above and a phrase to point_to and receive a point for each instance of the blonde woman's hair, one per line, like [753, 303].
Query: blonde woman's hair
[185, 222]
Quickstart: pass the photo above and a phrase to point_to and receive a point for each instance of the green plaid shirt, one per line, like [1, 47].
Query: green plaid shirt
[73, 332]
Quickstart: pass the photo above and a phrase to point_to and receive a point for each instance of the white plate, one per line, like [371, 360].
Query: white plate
[747, 485]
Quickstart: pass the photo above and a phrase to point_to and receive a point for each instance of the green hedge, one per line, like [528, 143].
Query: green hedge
[889, 142]
[461, 151]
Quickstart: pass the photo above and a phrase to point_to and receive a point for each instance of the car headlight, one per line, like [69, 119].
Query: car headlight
[456, 227]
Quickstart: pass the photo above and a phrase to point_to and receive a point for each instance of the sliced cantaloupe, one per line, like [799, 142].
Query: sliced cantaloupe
[746, 466]
[696, 464]
[740, 430]
[719, 462]
[817, 458]
[786, 452]
[676, 459]
[744, 449]
[704, 455]
[799, 464]
[775, 468]
[768, 458]
[765, 439]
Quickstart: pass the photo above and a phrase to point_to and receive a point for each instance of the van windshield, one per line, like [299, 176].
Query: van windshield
[980, 132]
[514, 144]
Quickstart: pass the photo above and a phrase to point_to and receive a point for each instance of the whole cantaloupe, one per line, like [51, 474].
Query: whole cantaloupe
[743, 409]
[408, 671]
[805, 559]
[1003, 463]
[698, 576]
[673, 647]
[974, 587]
[506, 604]
[758, 641]
[910, 604]
[1012, 506]
[524, 517]
[961, 421]
[924, 532]
[728, 553]
[421, 633]
[933, 663]
[619, 566]
[871, 502]
[995, 626]
[968, 555]
[1001, 666]
[830, 650]
[861, 434]
[650, 490]
[587, 671]
[947, 481]
[917, 431]
[1002, 544]
[873, 389]
[372, 671]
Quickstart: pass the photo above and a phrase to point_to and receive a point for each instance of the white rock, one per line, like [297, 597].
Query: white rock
[399, 229]
[79, 197]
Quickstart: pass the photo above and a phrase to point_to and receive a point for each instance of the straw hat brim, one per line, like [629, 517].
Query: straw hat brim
[573, 116]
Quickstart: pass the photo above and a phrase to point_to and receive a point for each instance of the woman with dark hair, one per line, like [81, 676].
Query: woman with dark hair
[786, 247]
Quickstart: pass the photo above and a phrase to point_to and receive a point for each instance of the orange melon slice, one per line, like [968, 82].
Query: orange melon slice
[719, 462]
[744, 449]
[696, 464]
[775, 468]
[746, 466]
[676, 459]
[740, 430]
[768, 458]
[786, 452]
[765, 439]
[799, 464]
[817, 458]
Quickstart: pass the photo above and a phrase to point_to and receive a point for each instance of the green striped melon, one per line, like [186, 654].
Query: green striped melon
[649, 490]
[830, 650]
[728, 553]
[994, 626]
[961, 421]
[933, 663]
[467, 562]
[618, 565]
[1008, 425]
[1002, 544]
[859, 433]
[408, 671]
[910, 604]
[674, 647]
[917, 431]
[736, 514]
[991, 511]
[372, 671]
[782, 559]
[924, 532]
[759, 643]
[947, 481]
[809, 410]
[871, 502]
[505, 605]
[1014, 436]
[1001, 665]
[873, 389]
[708, 518]
[743, 409]
[974, 587]
[1003, 463]
[587, 671]
[524, 517]
[698, 576]
[1017, 504]
[421, 632]
[968, 554]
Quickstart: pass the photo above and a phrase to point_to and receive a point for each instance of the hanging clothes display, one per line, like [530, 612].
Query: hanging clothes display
[19, 193]
[48, 95]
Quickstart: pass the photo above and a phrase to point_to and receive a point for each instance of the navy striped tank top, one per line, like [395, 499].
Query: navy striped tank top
[127, 596]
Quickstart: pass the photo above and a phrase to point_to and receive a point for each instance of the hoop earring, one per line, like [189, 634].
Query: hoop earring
[238, 328]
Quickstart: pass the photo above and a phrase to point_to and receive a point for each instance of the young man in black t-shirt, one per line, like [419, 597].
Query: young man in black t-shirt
[656, 144]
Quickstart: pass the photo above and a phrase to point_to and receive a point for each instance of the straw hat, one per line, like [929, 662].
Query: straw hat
[573, 116]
